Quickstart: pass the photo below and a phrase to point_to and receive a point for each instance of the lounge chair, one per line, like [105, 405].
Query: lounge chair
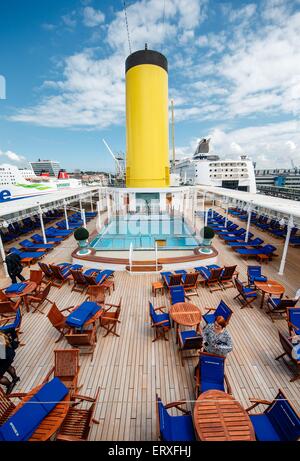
[110, 319]
[28, 245]
[7, 406]
[172, 280]
[188, 340]
[257, 242]
[66, 368]
[52, 240]
[293, 319]
[78, 422]
[226, 277]
[190, 283]
[62, 275]
[245, 294]
[267, 250]
[80, 283]
[174, 428]
[254, 275]
[222, 310]
[277, 307]
[38, 299]
[160, 322]
[34, 255]
[210, 374]
[85, 339]
[278, 423]
[293, 364]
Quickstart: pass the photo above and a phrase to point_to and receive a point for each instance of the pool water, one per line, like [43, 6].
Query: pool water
[143, 231]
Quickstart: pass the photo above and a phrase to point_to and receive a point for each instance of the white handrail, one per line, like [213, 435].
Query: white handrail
[130, 256]
[156, 256]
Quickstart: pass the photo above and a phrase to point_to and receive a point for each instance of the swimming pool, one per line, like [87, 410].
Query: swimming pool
[142, 231]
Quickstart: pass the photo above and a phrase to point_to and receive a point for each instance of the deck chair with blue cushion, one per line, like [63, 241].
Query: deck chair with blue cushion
[248, 253]
[28, 245]
[34, 255]
[278, 423]
[211, 276]
[24, 422]
[293, 363]
[103, 275]
[177, 294]
[160, 322]
[293, 319]
[245, 294]
[254, 275]
[251, 243]
[210, 374]
[277, 307]
[222, 310]
[189, 340]
[174, 428]
[39, 239]
[172, 280]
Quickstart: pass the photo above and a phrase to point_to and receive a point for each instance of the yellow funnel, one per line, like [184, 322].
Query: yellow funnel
[147, 127]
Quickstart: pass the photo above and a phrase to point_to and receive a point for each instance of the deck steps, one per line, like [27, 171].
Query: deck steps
[140, 266]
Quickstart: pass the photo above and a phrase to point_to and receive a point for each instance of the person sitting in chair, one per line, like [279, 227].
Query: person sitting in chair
[8, 344]
[216, 339]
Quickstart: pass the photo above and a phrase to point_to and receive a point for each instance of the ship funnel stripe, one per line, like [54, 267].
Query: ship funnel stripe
[146, 57]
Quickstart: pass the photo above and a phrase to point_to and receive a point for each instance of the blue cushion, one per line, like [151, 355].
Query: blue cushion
[263, 428]
[75, 267]
[16, 288]
[90, 271]
[165, 273]
[177, 294]
[209, 318]
[82, 314]
[162, 317]
[247, 292]
[25, 421]
[207, 386]
[212, 369]
[13, 325]
[188, 334]
[175, 428]
[254, 278]
[283, 418]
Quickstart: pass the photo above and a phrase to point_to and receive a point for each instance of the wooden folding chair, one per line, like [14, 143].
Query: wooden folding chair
[109, 320]
[85, 339]
[66, 368]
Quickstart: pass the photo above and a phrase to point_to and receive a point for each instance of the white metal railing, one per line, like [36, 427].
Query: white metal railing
[130, 256]
[156, 257]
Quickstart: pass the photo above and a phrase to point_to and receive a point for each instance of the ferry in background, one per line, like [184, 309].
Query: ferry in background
[284, 183]
[209, 170]
[16, 184]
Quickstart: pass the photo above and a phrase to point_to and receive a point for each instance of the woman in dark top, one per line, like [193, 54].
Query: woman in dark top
[7, 355]
[14, 266]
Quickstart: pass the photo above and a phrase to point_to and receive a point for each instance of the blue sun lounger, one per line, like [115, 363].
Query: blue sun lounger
[27, 254]
[30, 245]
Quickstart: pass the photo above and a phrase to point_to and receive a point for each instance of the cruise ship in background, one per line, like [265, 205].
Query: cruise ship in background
[284, 183]
[209, 170]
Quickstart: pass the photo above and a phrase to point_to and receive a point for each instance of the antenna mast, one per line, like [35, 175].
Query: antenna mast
[173, 141]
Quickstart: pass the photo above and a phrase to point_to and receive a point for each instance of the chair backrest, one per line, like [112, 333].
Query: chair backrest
[191, 279]
[254, 271]
[55, 316]
[46, 269]
[56, 271]
[177, 294]
[8, 307]
[212, 368]
[153, 314]
[227, 273]
[284, 418]
[164, 420]
[84, 338]
[43, 295]
[194, 342]
[286, 344]
[96, 293]
[175, 279]
[90, 279]
[224, 311]
[78, 276]
[36, 276]
[15, 325]
[239, 286]
[6, 407]
[3, 296]
[215, 274]
[293, 316]
[284, 303]
[268, 249]
[257, 241]
[66, 362]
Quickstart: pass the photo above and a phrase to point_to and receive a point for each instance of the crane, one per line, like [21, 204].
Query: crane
[119, 168]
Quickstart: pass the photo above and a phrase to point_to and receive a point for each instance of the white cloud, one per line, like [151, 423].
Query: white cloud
[70, 19]
[12, 156]
[92, 17]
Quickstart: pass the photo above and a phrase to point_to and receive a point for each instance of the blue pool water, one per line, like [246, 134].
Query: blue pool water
[143, 231]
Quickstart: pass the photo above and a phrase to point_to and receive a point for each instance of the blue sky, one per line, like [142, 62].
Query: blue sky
[234, 75]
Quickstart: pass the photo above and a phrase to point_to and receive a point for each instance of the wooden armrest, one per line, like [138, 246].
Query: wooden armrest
[111, 319]
[208, 309]
[176, 404]
[19, 395]
[257, 402]
[160, 308]
[290, 324]
[68, 308]
[160, 323]
[229, 390]
[48, 375]
[84, 397]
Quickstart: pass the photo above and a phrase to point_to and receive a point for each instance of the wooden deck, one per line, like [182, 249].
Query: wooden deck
[131, 369]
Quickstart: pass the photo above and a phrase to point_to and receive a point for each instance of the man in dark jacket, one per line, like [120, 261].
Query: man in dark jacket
[14, 266]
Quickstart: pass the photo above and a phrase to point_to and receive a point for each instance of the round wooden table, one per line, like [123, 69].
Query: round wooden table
[30, 288]
[53, 420]
[219, 417]
[271, 287]
[186, 314]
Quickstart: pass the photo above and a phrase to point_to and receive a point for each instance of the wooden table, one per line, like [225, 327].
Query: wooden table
[186, 314]
[219, 417]
[30, 288]
[156, 286]
[271, 287]
[53, 420]
[27, 261]
[262, 258]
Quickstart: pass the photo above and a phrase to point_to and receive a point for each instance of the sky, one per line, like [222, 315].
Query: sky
[234, 76]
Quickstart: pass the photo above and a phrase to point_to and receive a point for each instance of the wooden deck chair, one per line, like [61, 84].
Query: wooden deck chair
[109, 320]
[9, 307]
[46, 271]
[96, 294]
[174, 428]
[36, 276]
[160, 322]
[188, 340]
[293, 320]
[190, 283]
[277, 307]
[78, 422]
[58, 278]
[85, 339]
[173, 280]
[80, 283]
[213, 280]
[245, 294]
[7, 407]
[39, 298]
[90, 279]
[210, 374]
[3, 296]
[226, 277]
[293, 365]
[66, 368]
[58, 320]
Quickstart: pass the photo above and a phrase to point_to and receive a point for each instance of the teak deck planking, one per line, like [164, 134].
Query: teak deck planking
[130, 370]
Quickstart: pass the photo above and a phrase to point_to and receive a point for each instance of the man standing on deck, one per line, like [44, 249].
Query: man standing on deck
[14, 266]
